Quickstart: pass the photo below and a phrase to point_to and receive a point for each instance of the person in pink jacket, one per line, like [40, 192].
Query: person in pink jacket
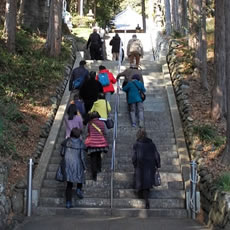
[108, 89]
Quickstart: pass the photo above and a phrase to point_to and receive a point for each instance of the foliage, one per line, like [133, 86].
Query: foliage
[208, 134]
[223, 182]
[28, 70]
[82, 22]
[24, 75]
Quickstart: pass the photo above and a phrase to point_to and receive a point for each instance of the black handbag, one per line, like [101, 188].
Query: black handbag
[109, 122]
[142, 94]
[157, 178]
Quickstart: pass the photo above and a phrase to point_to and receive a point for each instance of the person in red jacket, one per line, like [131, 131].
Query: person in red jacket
[96, 142]
[108, 89]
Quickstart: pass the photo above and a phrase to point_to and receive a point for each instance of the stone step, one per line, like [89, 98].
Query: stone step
[117, 203]
[123, 181]
[52, 168]
[117, 193]
[123, 148]
[121, 159]
[98, 212]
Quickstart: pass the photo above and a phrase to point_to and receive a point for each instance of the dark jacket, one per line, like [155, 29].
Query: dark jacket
[80, 71]
[89, 93]
[90, 90]
[94, 40]
[115, 43]
[74, 160]
[145, 161]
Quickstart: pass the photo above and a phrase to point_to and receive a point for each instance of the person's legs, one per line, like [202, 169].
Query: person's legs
[140, 110]
[131, 58]
[92, 52]
[146, 197]
[108, 96]
[133, 114]
[69, 194]
[137, 57]
[79, 191]
[98, 161]
[114, 56]
[93, 157]
[117, 56]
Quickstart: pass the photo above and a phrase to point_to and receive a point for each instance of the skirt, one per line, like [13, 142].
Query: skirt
[97, 149]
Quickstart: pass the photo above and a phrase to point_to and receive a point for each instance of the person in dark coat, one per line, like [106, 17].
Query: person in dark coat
[80, 73]
[74, 169]
[90, 90]
[115, 43]
[95, 44]
[145, 161]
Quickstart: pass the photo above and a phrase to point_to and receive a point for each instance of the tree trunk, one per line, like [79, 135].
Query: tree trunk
[184, 17]
[95, 8]
[226, 154]
[203, 57]
[143, 15]
[191, 24]
[10, 24]
[54, 36]
[219, 62]
[168, 17]
[175, 16]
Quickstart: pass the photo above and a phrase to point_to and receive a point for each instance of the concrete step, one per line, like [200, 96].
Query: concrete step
[126, 149]
[118, 193]
[96, 212]
[124, 159]
[117, 203]
[52, 169]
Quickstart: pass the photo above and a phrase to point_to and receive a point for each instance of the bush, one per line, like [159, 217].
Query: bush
[82, 22]
[209, 134]
[223, 182]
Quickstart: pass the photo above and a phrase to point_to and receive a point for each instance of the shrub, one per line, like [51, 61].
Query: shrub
[223, 182]
[82, 22]
[209, 134]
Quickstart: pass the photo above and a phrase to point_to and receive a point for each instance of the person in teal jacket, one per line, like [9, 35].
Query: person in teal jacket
[134, 99]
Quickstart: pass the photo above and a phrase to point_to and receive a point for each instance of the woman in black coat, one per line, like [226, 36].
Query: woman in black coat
[90, 90]
[145, 161]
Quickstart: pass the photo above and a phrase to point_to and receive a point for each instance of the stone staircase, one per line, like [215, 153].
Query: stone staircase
[166, 200]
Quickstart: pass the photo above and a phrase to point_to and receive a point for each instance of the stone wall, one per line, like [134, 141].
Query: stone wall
[15, 203]
[215, 204]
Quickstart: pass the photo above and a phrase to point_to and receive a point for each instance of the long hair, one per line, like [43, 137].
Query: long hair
[72, 111]
[141, 134]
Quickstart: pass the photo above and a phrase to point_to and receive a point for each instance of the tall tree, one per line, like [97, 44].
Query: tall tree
[143, 14]
[54, 35]
[10, 24]
[226, 154]
[203, 48]
[168, 17]
[175, 15]
[219, 62]
[184, 16]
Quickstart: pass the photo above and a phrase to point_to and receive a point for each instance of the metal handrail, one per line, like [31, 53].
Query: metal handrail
[116, 109]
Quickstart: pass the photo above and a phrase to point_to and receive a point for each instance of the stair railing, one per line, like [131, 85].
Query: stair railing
[116, 110]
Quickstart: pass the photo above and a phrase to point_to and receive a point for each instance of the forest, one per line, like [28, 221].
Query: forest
[34, 49]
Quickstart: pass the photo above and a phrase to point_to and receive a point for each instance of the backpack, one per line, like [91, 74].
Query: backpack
[78, 82]
[103, 78]
[135, 46]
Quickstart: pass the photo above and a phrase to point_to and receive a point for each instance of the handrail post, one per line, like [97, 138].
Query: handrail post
[193, 196]
[29, 187]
